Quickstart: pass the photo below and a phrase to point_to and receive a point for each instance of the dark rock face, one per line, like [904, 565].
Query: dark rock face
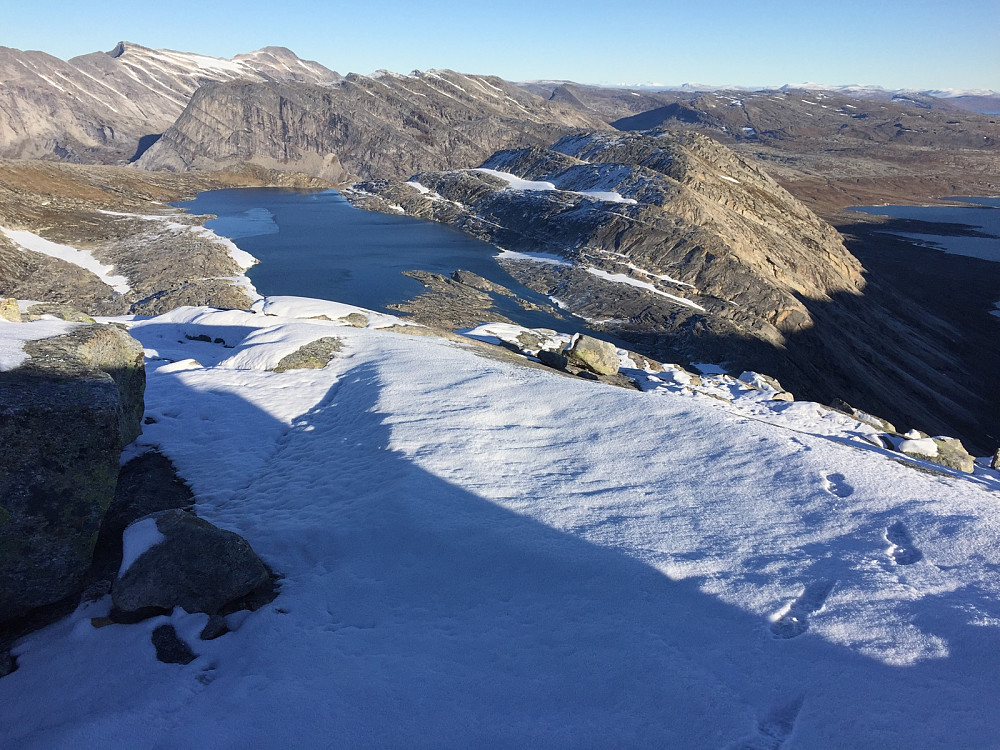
[146, 484]
[197, 566]
[64, 417]
[388, 126]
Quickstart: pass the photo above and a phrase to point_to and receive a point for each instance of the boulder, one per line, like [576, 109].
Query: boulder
[995, 461]
[9, 310]
[175, 559]
[65, 415]
[599, 357]
[312, 356]
[556, 360]
[952, 453]
[146, 484]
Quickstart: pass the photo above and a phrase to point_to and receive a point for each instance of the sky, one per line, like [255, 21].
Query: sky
[923, 44]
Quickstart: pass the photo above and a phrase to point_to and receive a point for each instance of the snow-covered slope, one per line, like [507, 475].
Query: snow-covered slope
[480, 554]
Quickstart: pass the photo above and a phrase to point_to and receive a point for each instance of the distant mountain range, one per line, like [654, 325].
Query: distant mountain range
[985, 101]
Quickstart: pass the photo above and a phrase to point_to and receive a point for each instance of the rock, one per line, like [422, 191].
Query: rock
[952, 453]
[196, 566]
[56, 310]
[312, 356]
[146, 484]
[9, 310]
[356, 320]
[170, 649]
[65, 415]
[947, 451]
[553, 359]
[862, 416]
[8, 663]
[478, 282]
[600, 357]
[216, 627]
[995, 461]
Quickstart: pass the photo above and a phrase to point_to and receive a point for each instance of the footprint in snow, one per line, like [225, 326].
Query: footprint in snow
[776, 727]
[836, 484]
[902, 550]
[795, 619]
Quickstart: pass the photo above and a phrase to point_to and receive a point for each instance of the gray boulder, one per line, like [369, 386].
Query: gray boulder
[599, 357]
[191, 564]
[65, 415]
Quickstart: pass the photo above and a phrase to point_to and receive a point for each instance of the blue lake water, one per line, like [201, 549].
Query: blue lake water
[982, 214]
[316, 244]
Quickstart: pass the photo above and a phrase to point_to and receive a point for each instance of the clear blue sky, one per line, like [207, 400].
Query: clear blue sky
[917, 43]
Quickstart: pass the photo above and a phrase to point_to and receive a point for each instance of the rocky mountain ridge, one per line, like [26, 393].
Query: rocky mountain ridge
[689, 252]
[387, 125]
[104, 107]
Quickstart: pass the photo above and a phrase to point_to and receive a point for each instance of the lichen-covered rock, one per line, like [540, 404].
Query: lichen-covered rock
[312, 356]
[196, 566]
[65, 415]
[600, 357]
[9, 310]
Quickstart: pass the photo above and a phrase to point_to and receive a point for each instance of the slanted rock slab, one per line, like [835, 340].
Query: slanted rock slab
[196, 566]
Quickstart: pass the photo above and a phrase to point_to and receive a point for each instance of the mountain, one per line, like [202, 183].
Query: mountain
[104, 107]
[830, 148]
[386, 125]
[689, 252]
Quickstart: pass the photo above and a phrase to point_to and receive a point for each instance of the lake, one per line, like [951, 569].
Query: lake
[316, 244]
[982, 216]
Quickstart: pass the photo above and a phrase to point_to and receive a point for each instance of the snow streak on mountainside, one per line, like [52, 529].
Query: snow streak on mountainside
[97, 107]
[475, 553]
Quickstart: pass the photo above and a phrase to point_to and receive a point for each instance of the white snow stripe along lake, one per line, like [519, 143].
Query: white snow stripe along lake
[82, 258]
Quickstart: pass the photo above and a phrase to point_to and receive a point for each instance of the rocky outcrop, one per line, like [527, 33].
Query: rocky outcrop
[687, 251]
[106, 107]
[175, 559]
[373, 126]
[65, 414]
[312, 356]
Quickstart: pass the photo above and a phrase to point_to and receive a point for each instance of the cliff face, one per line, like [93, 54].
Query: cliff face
[103, 107]
[688, 251]
[387, 125]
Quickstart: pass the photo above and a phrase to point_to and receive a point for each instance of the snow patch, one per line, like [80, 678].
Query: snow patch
[82, 258]
[139, 538]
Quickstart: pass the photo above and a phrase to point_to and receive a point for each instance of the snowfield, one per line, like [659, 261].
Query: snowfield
[477, 553]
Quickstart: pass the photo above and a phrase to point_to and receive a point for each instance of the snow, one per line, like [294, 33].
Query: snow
[138, 539]
[920, 446]
[620, 278]
[552, 260]
[517, 183]
[475, 553]
[729, 179]
[13, 336]
[82, 258]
